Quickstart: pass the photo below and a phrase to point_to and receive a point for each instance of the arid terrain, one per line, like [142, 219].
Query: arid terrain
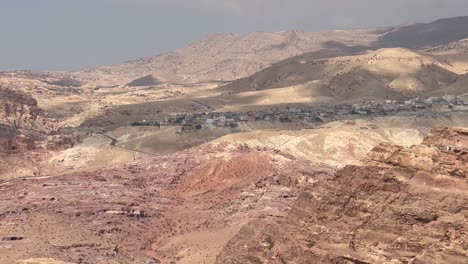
[345, 146]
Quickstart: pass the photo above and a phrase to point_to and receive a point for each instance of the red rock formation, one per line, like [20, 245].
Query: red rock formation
[19, 110]
[405, 205]
[24, 125]
[130, 214]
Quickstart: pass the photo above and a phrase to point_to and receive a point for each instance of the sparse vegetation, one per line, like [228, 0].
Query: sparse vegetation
[311, 243]
[270, 242]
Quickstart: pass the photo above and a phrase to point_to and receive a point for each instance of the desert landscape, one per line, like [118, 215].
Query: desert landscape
[343, 146]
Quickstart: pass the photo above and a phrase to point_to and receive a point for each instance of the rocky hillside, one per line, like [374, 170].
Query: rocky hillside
[460, 45]
[224, 57]
[404, 205]
[227, 57]
[25, 126]
[41, 84]
[175, 208]
[385, 73]
[19, 110]
[239, 204]
[425, 35]
[455, 55]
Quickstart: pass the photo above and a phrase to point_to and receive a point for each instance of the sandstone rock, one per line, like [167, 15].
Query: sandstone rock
[404, 205]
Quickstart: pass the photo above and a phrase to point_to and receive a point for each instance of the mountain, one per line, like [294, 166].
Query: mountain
[385, 73]
[224, 57]
[425, 35]
[454, 54]
[456, 46]
[227, 57]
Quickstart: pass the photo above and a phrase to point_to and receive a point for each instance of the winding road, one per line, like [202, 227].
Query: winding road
[113, 143]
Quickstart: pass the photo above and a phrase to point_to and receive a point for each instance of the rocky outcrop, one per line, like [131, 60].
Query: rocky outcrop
[249, 205]
[404, 205]
[448, 139]
[24, 124]
[171, 208]
[19, 110]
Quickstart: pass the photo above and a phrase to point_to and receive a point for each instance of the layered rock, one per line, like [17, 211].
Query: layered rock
[405, 205]
[166, 209]
[19, 110]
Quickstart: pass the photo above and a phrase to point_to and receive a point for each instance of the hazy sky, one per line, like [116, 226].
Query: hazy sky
[76, 34]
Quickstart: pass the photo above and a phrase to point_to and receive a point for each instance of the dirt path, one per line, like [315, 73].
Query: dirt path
[115, 141]
[204, 105]
[27, 178]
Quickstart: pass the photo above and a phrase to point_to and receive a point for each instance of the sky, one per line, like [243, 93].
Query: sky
[60, 35]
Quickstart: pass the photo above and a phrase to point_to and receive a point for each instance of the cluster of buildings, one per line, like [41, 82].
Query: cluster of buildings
[193, 121]
[444, 103]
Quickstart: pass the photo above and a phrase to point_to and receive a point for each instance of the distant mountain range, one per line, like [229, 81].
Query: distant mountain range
[227, 57]
[223, 57]
[385, 73]
[290, 67]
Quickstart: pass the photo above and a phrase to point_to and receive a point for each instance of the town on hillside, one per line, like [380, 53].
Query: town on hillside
[314, 114]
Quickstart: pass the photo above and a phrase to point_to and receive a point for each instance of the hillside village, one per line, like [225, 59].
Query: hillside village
[312, 114]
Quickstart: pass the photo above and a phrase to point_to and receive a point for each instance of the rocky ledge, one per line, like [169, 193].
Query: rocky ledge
[404, 205]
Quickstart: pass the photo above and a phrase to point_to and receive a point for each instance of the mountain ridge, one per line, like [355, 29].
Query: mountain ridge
[223, 57]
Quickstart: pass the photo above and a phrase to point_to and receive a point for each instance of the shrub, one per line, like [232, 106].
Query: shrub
[270, 242]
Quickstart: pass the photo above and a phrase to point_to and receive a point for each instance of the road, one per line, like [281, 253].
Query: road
[113, 143]
[204, 105]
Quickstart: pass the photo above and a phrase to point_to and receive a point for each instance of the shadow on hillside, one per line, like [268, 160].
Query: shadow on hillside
[420, 36]
[297, 64]
[7, 131]
[359, 84]
[343, 48]
[145, 81]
